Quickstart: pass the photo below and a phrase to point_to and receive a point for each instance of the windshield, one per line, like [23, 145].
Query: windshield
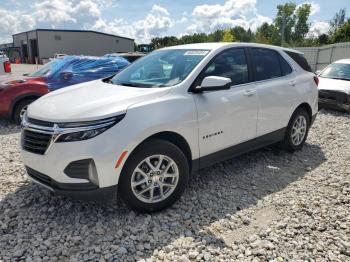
[46, 69]
[160, 69]
[337, 71]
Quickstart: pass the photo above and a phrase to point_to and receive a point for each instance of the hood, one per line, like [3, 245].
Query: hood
[334, 84]
[7, 81]
[89, 101]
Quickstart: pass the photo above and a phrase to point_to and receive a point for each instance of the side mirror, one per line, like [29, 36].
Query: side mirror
[318, 72]
[66, 76]
[214, 83]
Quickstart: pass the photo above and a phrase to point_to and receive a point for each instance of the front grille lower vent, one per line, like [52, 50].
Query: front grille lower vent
[40, 122]
[39, 176]
[35, 142]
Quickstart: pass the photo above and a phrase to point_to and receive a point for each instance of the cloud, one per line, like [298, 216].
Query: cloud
[83, 14]
[156, 23]
[14, 21]
[318, 28]
[208, 18]
[315, 7]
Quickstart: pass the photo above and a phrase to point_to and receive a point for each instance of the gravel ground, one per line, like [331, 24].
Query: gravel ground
[265, 205]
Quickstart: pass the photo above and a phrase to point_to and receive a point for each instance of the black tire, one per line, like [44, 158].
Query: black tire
[150, 148]
[18, 109]
[287, 143]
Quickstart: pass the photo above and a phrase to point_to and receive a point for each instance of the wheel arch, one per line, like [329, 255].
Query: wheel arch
[306, 107]
[174, 138]
[20, 99]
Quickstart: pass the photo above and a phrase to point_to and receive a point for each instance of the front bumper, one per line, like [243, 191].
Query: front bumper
[82, 191]
[334, 100]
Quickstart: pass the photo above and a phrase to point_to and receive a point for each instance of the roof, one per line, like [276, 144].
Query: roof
[76, 31]
[343, 61]
[217, 45]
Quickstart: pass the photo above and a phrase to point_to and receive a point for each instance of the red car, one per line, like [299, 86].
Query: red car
[16, 93]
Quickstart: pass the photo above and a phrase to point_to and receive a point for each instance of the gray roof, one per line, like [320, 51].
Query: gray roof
[78, 31]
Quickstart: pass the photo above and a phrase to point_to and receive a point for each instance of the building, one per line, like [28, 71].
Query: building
[41, 44]
[12, 53]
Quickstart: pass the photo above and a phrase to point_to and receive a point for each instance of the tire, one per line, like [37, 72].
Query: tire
[22, 105]
[153, 150]
[288, 143]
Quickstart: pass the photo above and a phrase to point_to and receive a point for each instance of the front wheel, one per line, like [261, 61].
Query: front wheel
[297, 131]
[20, 110]
[154, 177]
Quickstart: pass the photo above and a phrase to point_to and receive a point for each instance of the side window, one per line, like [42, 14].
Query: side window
[285, 67]
[231, 64]
[300, 60]
[266, 64]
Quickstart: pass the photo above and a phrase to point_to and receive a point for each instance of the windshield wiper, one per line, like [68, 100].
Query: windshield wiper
[130, 84]
[338, 78]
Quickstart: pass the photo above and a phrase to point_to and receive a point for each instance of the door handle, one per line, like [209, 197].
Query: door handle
[249, 93]
[292, 83]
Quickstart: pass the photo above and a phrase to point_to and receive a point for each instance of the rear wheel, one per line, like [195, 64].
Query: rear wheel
[297, 131]
[20, 110]
[154, 177]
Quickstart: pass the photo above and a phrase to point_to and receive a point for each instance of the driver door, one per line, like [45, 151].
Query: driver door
[227, 117]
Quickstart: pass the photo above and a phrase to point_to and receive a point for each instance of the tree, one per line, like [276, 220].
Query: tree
[215, 36]
[338, 20]
[285, 20]
[342, 34]
[267, 34]
[301, 27]
[228, 36]
[323, 39]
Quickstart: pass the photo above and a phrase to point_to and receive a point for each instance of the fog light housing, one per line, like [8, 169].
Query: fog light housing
[83, 169]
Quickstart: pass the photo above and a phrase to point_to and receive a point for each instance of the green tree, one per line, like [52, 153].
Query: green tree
[285, 20]
[323, 39]
[302, 26]
[228, 36]
[242, 35]
[342, 34]
[267, 34]
[338, 20]
[215, 36]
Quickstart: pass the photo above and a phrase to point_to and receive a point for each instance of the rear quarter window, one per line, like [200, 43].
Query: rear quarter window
[300, 60]
[266, 64]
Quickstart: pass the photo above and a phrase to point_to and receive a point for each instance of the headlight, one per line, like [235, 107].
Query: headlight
[70, 132]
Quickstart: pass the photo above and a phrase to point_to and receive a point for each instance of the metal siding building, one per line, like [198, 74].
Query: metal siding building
[45, 43]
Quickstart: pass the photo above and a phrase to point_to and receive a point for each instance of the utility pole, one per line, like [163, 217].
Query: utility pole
[283, 27]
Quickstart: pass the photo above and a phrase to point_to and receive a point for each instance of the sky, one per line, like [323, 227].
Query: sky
[146, 19]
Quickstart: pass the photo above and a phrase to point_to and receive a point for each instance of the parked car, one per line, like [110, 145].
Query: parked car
[57, 56]
[177, 110]
[17, 92]
[130, 56]
[334, 86]
[5, 65]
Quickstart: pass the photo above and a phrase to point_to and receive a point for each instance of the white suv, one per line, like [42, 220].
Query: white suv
[143, 131]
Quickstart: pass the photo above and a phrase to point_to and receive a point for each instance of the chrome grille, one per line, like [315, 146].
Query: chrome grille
[35, 142]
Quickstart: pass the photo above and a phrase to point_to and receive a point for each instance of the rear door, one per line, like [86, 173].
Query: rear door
[275, 84]
[227, 117]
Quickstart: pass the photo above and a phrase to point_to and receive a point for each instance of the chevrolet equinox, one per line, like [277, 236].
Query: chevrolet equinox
[143, 131]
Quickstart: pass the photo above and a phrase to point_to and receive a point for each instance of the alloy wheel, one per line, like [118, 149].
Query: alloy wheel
[299, 130]
[155, 178]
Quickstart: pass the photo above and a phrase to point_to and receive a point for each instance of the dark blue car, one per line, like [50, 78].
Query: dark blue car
[71, 70]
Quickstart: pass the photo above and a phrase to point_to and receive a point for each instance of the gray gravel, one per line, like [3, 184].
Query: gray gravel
[266, 205]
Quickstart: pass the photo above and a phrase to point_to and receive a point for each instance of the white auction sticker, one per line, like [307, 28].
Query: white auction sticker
[197, 52]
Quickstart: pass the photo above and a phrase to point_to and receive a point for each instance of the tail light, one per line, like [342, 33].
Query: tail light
[316, 80]
[7, 67]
